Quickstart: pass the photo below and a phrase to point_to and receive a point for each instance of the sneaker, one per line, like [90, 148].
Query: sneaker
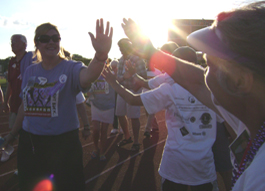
[135, 147]
[147, 134]
[16, 172]
[125, 142]
[6, 153]
[114, 131]
[102, 158]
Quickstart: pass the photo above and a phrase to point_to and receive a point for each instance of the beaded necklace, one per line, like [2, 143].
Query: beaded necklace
[252, 149]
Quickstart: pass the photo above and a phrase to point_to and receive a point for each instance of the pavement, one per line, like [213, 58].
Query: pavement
[124, 170]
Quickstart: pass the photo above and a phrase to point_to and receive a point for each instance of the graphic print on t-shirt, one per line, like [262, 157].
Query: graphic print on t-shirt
[41, 99]
[100, 86]
[184, 131]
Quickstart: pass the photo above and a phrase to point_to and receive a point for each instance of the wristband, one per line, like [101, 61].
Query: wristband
[100, 60]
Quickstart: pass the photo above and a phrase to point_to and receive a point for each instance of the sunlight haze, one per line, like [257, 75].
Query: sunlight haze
[75, 19]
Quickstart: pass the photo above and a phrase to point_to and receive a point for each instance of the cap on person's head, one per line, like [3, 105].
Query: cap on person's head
[169, 47]
[209, 40]
[186, 53]
[226, 38]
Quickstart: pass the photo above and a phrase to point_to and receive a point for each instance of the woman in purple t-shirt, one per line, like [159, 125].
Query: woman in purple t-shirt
[49, 146]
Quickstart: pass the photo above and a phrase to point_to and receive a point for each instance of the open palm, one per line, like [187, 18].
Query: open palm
[103, 40]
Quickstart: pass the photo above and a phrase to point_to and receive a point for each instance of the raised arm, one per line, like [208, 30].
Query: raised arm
[188, 75]
[102, 44]
[127, 95]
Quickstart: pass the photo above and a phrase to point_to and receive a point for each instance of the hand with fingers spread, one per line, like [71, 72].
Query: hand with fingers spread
[142, 45]
[130, 69]
[103, 40]
[108, 75]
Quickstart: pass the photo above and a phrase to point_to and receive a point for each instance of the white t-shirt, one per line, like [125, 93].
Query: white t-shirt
[187, 157]
[80, 98]
[253, 178]
[152, 74]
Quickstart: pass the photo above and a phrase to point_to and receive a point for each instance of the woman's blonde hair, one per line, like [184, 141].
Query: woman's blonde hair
[41, 30]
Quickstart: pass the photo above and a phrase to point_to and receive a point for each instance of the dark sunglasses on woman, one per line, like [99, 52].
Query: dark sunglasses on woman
[47, 38]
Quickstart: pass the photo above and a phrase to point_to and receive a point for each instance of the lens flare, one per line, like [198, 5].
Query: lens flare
[44, 185]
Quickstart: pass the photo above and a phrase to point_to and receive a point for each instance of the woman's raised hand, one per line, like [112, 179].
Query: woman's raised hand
[103, 40]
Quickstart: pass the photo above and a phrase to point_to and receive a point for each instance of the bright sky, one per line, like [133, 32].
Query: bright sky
[77, 17]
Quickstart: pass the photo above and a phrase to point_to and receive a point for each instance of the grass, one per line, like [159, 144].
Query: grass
[2, 81]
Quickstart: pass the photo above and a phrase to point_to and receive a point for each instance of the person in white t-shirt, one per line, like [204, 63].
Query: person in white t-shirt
[188, 158]
[81, 110]
[234, 78]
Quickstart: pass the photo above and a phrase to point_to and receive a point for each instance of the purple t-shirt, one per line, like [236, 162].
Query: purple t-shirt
[49, 98]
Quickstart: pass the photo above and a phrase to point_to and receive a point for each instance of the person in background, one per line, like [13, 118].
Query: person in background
[49, 145]
[169, 47]
[233, 82]
[123, 109]
[12, 100]
[1, 96]
[114, 67]
[151, 123]
[102, 114]
[81, 110]
[80, 104]
[187, 158]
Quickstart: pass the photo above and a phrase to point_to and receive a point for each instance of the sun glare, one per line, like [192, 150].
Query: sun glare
[156, 30]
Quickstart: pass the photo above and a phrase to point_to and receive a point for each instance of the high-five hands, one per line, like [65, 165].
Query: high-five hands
[108, 75]
[130, 69]
[103, 40]
[142, 45]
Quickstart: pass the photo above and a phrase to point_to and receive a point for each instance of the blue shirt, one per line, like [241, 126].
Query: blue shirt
[49, 98]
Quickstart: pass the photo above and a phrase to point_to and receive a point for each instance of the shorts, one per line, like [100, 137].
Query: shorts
[123, 108]
[59, 157]
[104, 116]
[221, 151]
[167, 185]
[12, 119]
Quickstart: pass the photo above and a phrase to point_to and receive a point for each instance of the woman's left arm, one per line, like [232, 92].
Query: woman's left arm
[102, 44]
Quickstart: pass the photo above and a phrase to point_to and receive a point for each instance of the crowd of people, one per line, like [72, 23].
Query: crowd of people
[202, 104]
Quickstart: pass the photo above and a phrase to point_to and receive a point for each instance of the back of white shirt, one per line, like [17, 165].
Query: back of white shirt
[187, 157]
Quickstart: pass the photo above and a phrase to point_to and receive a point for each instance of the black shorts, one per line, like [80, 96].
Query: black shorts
[57, 158]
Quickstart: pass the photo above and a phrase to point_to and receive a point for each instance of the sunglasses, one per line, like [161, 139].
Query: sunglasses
[47, 38]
